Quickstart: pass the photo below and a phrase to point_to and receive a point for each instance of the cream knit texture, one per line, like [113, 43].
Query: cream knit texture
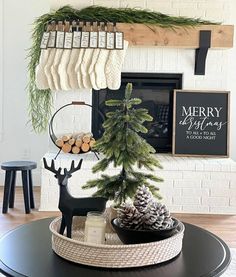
[62, 70]
[78, 68]
[47, 68]
[91, 71]
[72, 75]
[86, 61]
[54, 68]
[40, 77]
[101, 81]
[113, 67]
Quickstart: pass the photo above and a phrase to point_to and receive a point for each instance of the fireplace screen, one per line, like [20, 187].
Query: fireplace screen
[156, 92]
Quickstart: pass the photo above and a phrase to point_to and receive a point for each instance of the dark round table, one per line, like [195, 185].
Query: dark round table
[26, 251]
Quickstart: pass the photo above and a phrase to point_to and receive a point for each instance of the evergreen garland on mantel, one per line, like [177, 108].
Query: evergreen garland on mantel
[40, 101]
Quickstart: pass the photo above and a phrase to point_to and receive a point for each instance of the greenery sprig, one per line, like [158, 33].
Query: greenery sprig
[40, 101]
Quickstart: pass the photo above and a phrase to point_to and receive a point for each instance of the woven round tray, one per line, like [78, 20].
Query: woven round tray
[113, 254]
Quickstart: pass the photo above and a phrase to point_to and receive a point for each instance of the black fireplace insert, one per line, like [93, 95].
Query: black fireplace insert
[156, 92]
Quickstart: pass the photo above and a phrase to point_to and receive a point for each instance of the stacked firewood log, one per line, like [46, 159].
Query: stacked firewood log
[76, 143]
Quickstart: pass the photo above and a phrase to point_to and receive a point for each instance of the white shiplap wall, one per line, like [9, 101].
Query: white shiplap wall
[1, 68]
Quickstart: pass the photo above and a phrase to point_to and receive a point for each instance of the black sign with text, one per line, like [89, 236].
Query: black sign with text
[200, 123]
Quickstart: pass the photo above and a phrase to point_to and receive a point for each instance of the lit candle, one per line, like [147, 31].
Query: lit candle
[95, 226]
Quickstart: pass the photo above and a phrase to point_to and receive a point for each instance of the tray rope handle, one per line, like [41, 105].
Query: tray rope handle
[50, 127]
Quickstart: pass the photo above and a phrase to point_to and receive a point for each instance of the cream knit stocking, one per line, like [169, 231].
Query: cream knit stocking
[40, 77]
[62, 70]
[87, 59]
[47, 68]
[72, 76]
[113, 67]
[101, 80]
[54, 68]
[91, 71]
[78, 68]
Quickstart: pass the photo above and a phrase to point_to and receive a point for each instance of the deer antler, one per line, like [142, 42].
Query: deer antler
[58, 171]
[52, 167]
[73, 168]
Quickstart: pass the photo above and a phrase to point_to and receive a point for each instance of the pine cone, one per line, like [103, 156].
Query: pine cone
[158, 217]
[129, 217]
[142, 199]
[145, 214]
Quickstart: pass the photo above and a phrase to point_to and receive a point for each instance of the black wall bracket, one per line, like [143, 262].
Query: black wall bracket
[201, 52]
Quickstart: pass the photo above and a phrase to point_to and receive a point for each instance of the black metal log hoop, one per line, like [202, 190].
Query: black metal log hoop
[73, 103]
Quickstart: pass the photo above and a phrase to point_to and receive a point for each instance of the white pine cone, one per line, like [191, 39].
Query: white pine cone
[129, 217]
[142, 198]
[145, 213]
[158, 217]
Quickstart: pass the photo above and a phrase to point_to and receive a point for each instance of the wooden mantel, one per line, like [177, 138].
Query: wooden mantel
[181, 37]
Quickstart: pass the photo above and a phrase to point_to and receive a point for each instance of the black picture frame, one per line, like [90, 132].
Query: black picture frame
[201, 123]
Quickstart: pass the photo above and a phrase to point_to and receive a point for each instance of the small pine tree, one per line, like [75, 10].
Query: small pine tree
[122, 146]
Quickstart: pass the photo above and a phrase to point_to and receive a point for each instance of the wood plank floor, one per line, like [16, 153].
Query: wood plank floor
[221, 225]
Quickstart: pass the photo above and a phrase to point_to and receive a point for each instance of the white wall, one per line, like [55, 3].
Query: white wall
[231, 80]
[1, 69]
[17, 141]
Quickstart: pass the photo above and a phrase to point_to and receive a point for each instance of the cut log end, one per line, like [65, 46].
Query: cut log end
[78, 142]
[59, 142]
[75, 143]
[75, 150]
[66, 148]
[85, 147]
[66, 137]
[71, 141]
[87, 137]
[91, 143]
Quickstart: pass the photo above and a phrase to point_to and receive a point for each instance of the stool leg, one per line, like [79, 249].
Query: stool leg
[31, 192]
[7, 187]
[25, 183]
[12, 191]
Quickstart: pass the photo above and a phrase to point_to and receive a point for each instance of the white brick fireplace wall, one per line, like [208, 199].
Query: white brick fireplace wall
[196, 185]
[191, 185]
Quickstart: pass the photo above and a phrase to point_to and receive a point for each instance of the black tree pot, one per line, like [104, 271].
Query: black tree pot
[129, 236]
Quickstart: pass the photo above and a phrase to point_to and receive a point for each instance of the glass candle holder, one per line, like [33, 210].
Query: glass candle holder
[95, 226]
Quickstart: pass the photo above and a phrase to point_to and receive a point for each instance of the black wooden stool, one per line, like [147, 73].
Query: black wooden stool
[10, 182]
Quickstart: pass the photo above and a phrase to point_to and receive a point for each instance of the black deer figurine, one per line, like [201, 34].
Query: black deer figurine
[69, 205]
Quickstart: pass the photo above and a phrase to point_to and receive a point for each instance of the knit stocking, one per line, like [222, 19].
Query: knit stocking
[54, 68]
[62, 70]
[40, 77]
[72, 76]
[47, 68]
[78, 68]
[87, 59]
[91, 71]
[99, 68]
[113, 67]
